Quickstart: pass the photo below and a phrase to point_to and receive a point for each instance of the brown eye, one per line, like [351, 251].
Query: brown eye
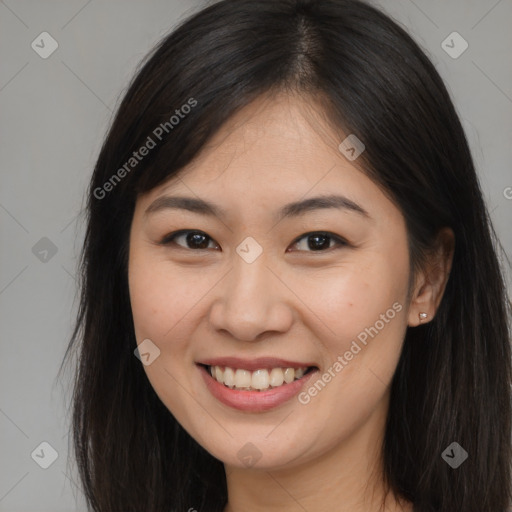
[319, 241]
[190, 239]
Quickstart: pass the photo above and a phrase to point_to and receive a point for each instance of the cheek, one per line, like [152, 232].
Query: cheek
[352, 297]
[360, 312]
[161, 298]
[162, 302]
[151, 302]
[359, 308]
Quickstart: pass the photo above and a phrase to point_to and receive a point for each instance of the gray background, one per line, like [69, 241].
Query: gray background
[54, 114]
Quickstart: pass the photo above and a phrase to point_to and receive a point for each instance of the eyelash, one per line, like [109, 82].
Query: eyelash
[170, 239]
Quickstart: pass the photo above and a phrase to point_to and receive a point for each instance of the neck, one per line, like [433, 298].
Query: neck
[345, 478]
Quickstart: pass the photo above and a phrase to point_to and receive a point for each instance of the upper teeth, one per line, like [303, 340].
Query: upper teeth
[257, 380]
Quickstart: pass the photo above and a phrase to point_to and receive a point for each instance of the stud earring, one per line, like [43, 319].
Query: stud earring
[422, 316]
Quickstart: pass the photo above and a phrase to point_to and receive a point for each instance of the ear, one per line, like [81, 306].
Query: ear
[430, 282]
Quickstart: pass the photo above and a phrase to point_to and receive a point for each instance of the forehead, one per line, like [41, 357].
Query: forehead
[281, 135]
[272, 153]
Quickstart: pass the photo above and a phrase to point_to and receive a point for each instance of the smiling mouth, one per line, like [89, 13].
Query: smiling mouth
[263, 379]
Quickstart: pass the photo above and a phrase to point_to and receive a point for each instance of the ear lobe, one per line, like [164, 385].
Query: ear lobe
[423, 299]
[431, 281]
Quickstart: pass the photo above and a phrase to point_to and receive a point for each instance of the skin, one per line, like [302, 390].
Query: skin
[291, 302]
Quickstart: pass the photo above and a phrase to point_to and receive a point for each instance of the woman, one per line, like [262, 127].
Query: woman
[286, 229]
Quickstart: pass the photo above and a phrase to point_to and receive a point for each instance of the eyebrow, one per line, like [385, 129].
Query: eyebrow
[294, 209]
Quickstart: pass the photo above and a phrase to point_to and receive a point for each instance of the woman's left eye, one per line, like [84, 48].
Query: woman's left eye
[319, 241]
[316, 241]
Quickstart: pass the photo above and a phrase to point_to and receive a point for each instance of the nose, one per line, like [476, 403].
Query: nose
[251, 301]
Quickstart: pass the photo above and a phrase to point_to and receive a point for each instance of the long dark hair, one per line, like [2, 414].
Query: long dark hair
[369, 78]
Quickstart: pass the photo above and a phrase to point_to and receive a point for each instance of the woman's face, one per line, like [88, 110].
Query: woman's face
[258, 293]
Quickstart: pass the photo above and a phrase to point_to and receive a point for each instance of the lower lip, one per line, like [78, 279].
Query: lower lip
[253, 401]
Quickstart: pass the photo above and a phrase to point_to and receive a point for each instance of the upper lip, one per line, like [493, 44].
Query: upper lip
[257, 363]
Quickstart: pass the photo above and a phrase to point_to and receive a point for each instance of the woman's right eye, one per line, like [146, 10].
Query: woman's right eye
[194, 240]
